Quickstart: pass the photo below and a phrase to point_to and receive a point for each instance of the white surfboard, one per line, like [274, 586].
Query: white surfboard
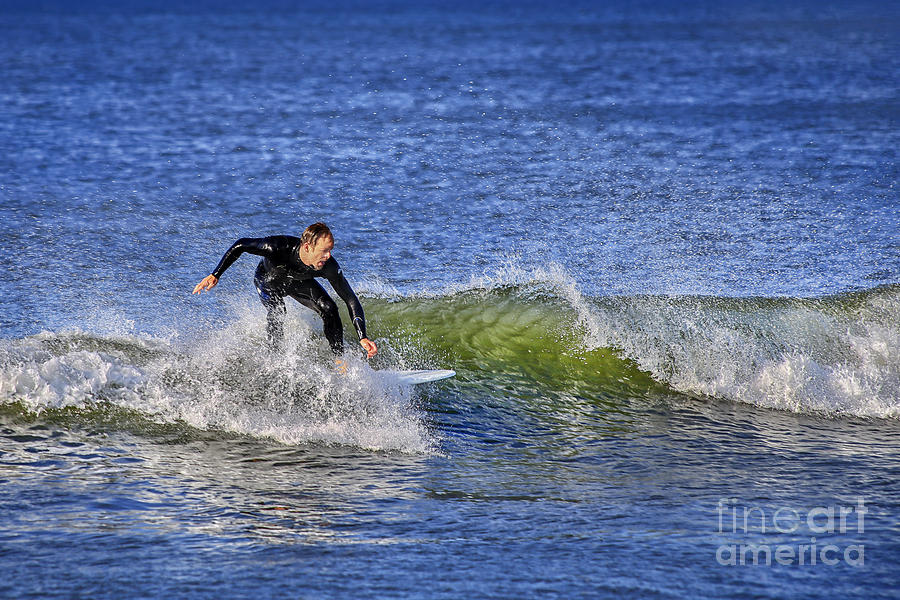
[417, 377]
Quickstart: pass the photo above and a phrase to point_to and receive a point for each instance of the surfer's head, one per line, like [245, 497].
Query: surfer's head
[316, 245]
[316, 232]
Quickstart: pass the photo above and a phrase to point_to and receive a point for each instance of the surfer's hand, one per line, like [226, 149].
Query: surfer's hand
[369, 345]
[208, 283]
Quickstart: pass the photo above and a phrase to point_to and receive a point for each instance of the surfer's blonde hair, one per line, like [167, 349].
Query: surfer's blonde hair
[316, 232]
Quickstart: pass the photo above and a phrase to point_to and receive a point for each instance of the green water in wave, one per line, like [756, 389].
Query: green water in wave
[829, 354]
[504, 338]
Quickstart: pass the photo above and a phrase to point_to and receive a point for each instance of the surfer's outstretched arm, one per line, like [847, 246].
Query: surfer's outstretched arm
[258, 246]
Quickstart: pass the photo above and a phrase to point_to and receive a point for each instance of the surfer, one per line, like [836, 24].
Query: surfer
[288, 268]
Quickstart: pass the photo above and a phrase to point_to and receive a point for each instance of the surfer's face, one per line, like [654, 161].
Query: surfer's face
[318, 255]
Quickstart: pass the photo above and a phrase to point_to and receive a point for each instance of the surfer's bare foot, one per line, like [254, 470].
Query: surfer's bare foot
[340, 366]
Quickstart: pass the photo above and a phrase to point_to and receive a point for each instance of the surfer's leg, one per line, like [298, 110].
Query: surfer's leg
[275, 323]
[275, 311]
[312, 295]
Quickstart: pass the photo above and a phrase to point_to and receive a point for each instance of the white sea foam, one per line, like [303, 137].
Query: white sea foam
[46, 372]
[229, 381]
[772, 354]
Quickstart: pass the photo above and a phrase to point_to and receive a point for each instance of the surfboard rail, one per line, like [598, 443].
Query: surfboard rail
[416, 377]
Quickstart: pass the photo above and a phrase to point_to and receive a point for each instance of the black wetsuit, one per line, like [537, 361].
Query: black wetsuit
[281, 273]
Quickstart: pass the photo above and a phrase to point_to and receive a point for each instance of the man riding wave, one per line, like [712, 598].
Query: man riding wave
[289, 267]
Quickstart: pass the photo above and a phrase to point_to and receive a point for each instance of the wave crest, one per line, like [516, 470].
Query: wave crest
[831, 355]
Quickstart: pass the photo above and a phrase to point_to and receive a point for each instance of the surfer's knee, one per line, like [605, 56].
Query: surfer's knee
[327, 308]
[272, 302]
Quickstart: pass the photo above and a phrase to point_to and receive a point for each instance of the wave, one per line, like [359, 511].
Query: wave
[523, 336]
[835, 355]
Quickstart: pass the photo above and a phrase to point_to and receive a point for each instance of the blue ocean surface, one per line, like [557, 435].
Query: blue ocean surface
[659, 243]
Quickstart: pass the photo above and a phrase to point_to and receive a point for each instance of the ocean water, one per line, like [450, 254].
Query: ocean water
[659, 242]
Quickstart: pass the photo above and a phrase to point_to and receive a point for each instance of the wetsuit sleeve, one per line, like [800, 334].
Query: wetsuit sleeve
[342, 287]
[258, 246]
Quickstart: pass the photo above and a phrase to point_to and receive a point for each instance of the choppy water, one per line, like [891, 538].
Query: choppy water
[659, 244]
